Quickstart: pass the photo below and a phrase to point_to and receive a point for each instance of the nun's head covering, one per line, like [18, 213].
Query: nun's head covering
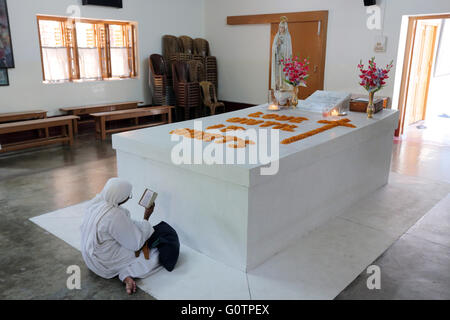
[116, 191]
[113, 194]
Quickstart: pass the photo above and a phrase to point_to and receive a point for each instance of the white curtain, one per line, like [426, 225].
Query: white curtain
[89, 63]
[56, 64]
[119, 62]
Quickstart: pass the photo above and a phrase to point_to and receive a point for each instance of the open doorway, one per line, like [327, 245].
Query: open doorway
[424, 102]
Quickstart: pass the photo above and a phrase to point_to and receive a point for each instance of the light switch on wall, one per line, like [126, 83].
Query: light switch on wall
[380, 43]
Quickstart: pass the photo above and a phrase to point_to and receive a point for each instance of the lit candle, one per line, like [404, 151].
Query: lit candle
[334, 113]
[273, 107]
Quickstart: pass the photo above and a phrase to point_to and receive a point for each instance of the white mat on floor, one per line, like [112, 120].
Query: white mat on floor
[319, 266]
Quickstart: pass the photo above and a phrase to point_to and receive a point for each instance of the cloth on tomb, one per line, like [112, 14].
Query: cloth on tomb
[281, 49]
[109, 237]
[165, 238]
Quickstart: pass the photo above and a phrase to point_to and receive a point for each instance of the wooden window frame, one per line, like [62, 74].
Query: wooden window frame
[104, 49]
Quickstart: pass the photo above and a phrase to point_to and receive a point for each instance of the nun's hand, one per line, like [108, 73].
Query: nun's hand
[148, 212]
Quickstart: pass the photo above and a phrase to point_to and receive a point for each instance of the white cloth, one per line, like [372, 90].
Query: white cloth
[89, 63]
[120, 65]
[109, 237]
[56, 64]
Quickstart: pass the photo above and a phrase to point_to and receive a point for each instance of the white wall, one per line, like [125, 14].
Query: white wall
[243, 51]
[155, 18]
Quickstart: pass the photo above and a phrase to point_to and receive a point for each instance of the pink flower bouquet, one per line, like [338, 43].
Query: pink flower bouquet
[296, 71]
[373, 79]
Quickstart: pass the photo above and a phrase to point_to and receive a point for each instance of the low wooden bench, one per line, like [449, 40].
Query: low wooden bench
[104, 117]
[87, 110]
[21, 116]
[65, 123]
[25, 115]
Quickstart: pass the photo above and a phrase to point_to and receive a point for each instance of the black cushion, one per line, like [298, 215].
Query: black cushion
[165, 238]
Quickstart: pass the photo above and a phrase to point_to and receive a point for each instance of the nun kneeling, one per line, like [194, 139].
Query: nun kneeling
[111, 241]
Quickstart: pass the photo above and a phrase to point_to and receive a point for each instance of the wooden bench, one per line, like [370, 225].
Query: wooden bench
[87, 110]
[65, 123]
[21, 116]
[104, 117]
[25, 115]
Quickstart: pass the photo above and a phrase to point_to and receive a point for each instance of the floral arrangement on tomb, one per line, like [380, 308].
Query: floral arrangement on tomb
[373, 79]
[296, 72]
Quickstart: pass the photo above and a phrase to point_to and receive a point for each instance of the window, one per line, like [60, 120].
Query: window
[86, 50]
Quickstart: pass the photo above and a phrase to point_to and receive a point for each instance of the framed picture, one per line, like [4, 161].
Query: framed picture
[6, 50]
[4, 79]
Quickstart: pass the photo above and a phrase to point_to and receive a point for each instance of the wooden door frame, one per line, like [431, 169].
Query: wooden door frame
[407, 64]
[307, 16]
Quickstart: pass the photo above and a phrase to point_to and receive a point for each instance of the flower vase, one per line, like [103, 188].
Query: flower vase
[294, 100]
[283, 97]
[371, 106]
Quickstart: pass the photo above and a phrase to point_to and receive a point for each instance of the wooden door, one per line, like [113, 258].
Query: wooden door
[423, 54]
[307, 42]
[309, 39]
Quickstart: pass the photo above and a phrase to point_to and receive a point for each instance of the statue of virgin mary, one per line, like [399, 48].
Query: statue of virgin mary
[281, 49]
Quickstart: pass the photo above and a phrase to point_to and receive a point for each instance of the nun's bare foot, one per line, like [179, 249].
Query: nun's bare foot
[130, 285]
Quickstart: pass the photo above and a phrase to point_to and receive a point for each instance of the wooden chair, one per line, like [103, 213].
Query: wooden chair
[201, 47]
[186, 44]
[196, 71]
[162, 89]
[170, 45]
[210, 98]
[187, 92]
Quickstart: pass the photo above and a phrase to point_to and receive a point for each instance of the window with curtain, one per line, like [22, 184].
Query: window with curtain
[86, 50]
[54, 51]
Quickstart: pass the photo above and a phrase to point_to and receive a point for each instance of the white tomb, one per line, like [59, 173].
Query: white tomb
[234, 214]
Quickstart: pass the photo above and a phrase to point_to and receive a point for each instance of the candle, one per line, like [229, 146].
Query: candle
[334, 113]
[273, 107]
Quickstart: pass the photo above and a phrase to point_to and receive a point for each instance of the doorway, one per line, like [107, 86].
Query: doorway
[423, 103]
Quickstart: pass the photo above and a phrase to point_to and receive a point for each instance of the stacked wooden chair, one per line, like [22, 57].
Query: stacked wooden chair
[171, 47]
[186, 45]
[196, 71]
[200, 65]
[202, 53]
[201, 47]
[175, 50]
[211, 71]
[187, 91]
[160, 81]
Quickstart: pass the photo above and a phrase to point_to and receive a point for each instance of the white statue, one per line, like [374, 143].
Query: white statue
[281, 49]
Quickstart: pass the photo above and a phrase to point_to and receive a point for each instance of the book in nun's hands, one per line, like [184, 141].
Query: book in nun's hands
[148, 198]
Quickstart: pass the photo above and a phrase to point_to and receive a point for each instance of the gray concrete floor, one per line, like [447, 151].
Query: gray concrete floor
[414, 267]
[33, 262]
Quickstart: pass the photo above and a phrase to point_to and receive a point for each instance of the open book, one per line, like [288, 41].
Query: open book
[148, 198]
